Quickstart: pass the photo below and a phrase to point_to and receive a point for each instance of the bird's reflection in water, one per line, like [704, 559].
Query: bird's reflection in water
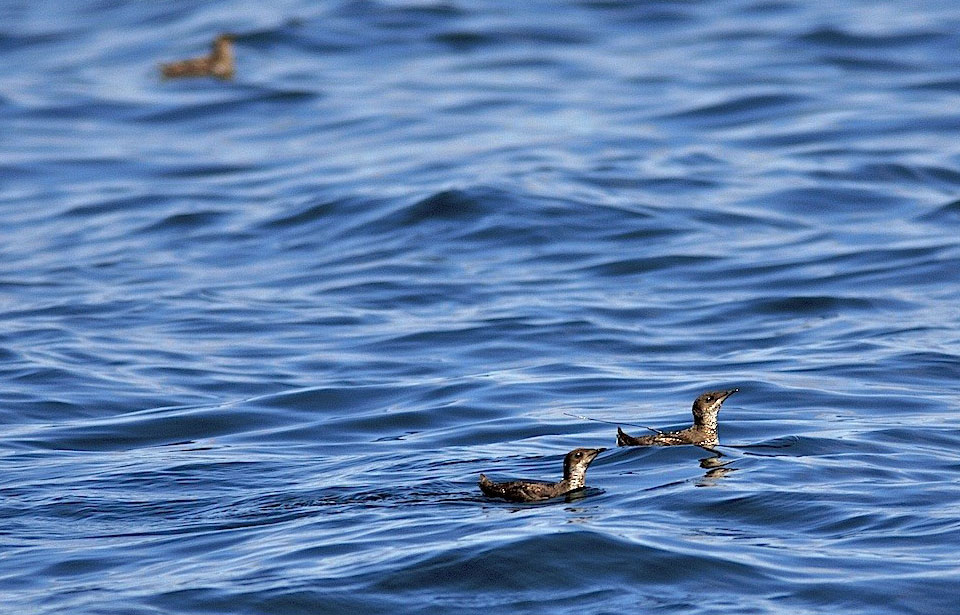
[715, 468]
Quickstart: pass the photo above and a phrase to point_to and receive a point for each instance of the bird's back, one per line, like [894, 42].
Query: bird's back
[667, 438]
[520, 490]
[194, 67]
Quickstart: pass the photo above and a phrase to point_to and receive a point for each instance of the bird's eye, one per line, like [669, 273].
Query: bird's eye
[709, 397]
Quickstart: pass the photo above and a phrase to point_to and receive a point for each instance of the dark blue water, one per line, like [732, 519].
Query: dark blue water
[260, 337]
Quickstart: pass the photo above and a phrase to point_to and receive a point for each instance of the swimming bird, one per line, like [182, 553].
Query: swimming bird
[703, 432]
[574, 474]
[218, 64]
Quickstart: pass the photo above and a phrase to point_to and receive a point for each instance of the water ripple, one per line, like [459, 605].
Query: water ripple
[261, 336]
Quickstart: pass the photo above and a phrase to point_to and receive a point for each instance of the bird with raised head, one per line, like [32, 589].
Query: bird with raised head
[703, 432]
[575, 465]
[218, 64]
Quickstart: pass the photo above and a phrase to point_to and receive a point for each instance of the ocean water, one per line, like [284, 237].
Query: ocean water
[260, 337]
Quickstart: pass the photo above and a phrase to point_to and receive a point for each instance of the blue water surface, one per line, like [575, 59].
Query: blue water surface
[260, 337]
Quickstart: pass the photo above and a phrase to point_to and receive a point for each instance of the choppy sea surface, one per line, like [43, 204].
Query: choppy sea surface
[259, 337]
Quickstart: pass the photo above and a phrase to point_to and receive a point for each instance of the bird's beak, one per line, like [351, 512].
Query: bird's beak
[727, 394]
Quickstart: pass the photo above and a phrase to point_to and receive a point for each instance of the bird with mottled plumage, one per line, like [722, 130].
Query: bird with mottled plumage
[703, 432]
[575, 465]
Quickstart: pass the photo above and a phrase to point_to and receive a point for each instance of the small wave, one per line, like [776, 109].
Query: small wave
[232, 104]
[837, 37]
[635, 266]
[446, 205]
[186, 222]
[752, 106]
[564, 561]
[949, 213]
[834, 199]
